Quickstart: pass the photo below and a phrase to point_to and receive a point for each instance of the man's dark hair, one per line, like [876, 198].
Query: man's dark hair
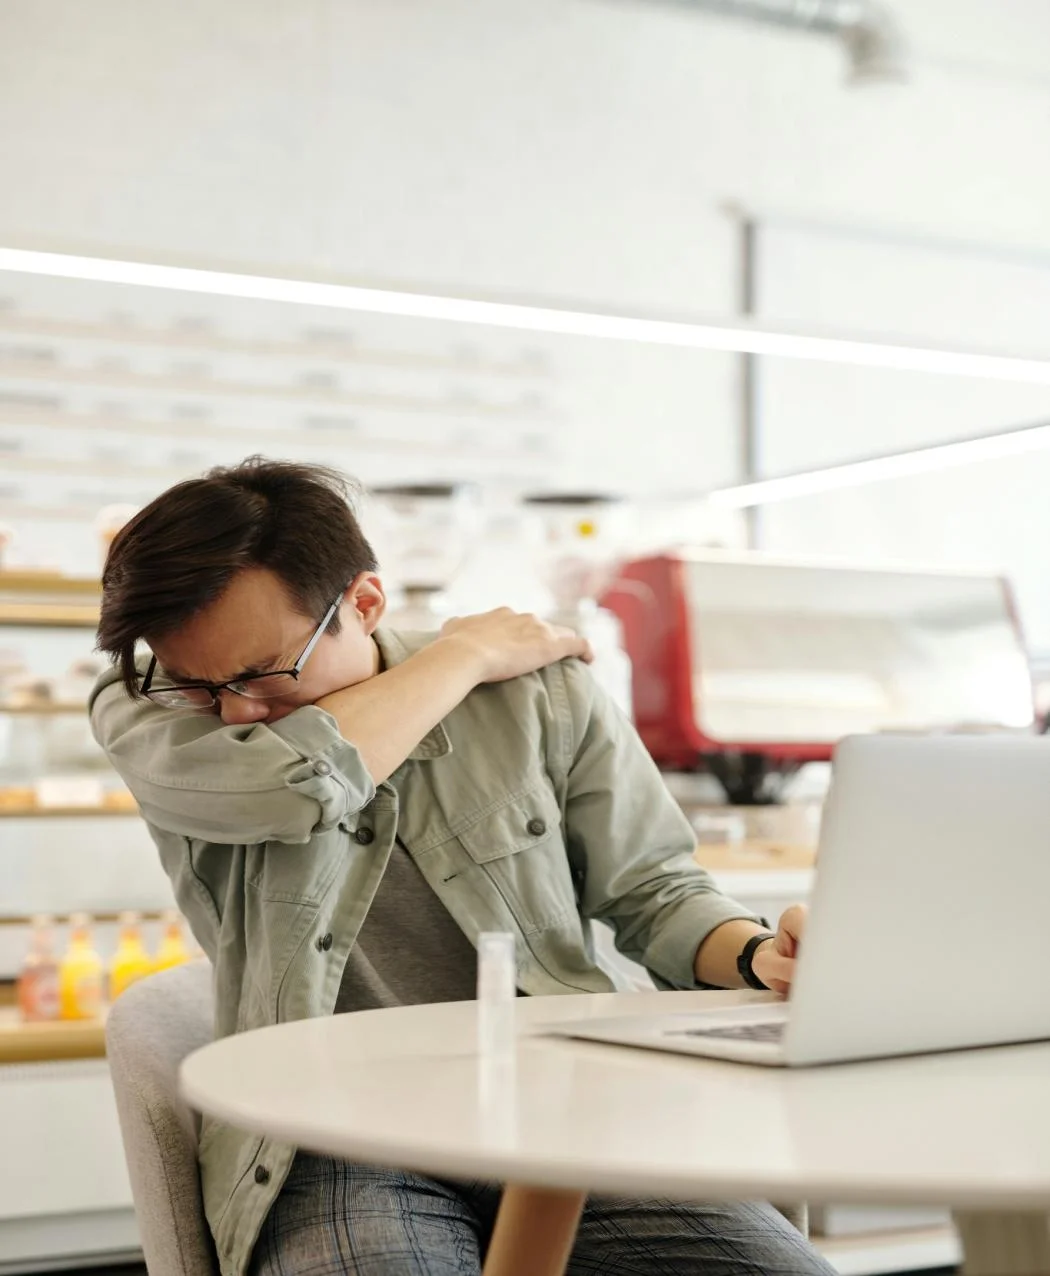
[180, 552]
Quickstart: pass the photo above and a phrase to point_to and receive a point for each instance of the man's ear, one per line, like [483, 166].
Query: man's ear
[366, 595]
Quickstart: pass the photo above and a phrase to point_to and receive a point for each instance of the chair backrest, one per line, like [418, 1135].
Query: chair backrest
[151, 1028]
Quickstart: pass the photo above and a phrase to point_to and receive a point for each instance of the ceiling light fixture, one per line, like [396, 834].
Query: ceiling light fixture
[721, 335]
[988, 447]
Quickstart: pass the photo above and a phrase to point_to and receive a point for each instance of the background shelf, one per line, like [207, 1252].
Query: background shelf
[50, 583]
[38, 1042]
[49, 615]
[46, 708]
[64, 812]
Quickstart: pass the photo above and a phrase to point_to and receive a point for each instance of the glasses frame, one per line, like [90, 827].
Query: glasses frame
[216, 687]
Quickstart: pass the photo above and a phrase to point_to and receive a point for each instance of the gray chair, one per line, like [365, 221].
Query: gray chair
[150, 1030]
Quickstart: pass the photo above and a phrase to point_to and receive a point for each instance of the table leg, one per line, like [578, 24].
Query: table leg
[1004, 1243]
[534, 1231]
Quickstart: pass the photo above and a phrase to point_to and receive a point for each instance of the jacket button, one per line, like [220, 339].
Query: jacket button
[322, 768]
[324, 942]
[262, 1174]
[536, 827]
[365, 836]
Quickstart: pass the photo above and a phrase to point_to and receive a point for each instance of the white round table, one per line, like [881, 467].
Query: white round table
[407, 1088]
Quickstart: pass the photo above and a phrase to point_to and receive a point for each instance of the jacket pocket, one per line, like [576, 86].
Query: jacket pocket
[528, 819]
[519, 847]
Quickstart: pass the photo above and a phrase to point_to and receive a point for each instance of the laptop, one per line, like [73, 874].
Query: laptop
[929, 923]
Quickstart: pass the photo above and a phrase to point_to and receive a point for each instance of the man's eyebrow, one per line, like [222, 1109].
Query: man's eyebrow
[176, 675]
[250, 671]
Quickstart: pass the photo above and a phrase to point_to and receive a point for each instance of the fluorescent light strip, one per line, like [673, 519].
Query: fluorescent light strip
[724, 335]
[1029, 438]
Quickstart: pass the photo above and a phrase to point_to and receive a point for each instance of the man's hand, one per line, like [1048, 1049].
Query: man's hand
[386, 716]
[504, 643]
[774, 961]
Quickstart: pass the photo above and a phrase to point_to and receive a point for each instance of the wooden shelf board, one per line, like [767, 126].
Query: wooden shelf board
[64, 812]
[48, 616]
[754, 856]
[50, 583]
[46, 709]
[63, 919]
[40, 1042]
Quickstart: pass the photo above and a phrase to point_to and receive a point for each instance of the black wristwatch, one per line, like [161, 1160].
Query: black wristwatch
[747, 954]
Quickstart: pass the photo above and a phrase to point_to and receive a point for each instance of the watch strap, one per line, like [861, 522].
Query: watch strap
[747, 955]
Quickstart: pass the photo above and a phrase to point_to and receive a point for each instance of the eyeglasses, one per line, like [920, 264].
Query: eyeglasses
[258, 686]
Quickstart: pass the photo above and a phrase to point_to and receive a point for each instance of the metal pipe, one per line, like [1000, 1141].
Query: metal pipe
[748, 424]
[868, 29]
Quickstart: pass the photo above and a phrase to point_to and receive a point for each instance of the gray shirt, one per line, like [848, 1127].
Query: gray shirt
[409, 950]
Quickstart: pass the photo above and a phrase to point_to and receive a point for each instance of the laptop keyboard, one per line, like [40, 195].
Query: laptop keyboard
[771, 1031]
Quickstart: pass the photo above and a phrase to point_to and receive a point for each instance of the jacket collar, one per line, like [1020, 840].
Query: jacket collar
[395, 650]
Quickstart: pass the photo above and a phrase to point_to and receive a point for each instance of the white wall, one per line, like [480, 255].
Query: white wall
[578, 149]
[574, 147]
[993, 515]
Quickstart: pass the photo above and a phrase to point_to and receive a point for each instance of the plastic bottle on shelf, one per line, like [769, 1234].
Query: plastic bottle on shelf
[80, 973]
[173, 950]
[38, 978]
[130, 961]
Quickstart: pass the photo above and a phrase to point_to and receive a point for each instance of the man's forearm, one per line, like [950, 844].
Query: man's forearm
[385, 717]
[716, 957]
[195, 776]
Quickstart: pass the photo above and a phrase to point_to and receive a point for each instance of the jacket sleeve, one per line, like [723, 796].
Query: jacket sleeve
[630, 845]
[195, 777]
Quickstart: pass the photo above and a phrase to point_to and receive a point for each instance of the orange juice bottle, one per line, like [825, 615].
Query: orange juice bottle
[172, 950]
[80, 974]
[130, 961]
[38, 978]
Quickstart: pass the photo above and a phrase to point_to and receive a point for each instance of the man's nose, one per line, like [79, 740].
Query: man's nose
[236, 710]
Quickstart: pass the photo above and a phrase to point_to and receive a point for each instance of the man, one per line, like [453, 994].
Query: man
[343, 809]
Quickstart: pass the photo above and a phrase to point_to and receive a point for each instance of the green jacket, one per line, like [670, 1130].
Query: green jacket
[533, 808]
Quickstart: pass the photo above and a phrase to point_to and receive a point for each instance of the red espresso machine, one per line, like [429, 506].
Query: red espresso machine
[748, 665]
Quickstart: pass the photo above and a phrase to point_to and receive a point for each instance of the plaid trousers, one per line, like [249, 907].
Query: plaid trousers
[333, 1218]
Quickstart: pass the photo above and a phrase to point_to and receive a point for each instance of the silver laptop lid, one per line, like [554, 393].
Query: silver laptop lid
[930, 919]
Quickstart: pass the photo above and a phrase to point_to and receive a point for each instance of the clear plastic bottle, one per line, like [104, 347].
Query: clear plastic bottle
[38, 978]
[80, 974]
[131, 961]
[173, 950]
[497, 993]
